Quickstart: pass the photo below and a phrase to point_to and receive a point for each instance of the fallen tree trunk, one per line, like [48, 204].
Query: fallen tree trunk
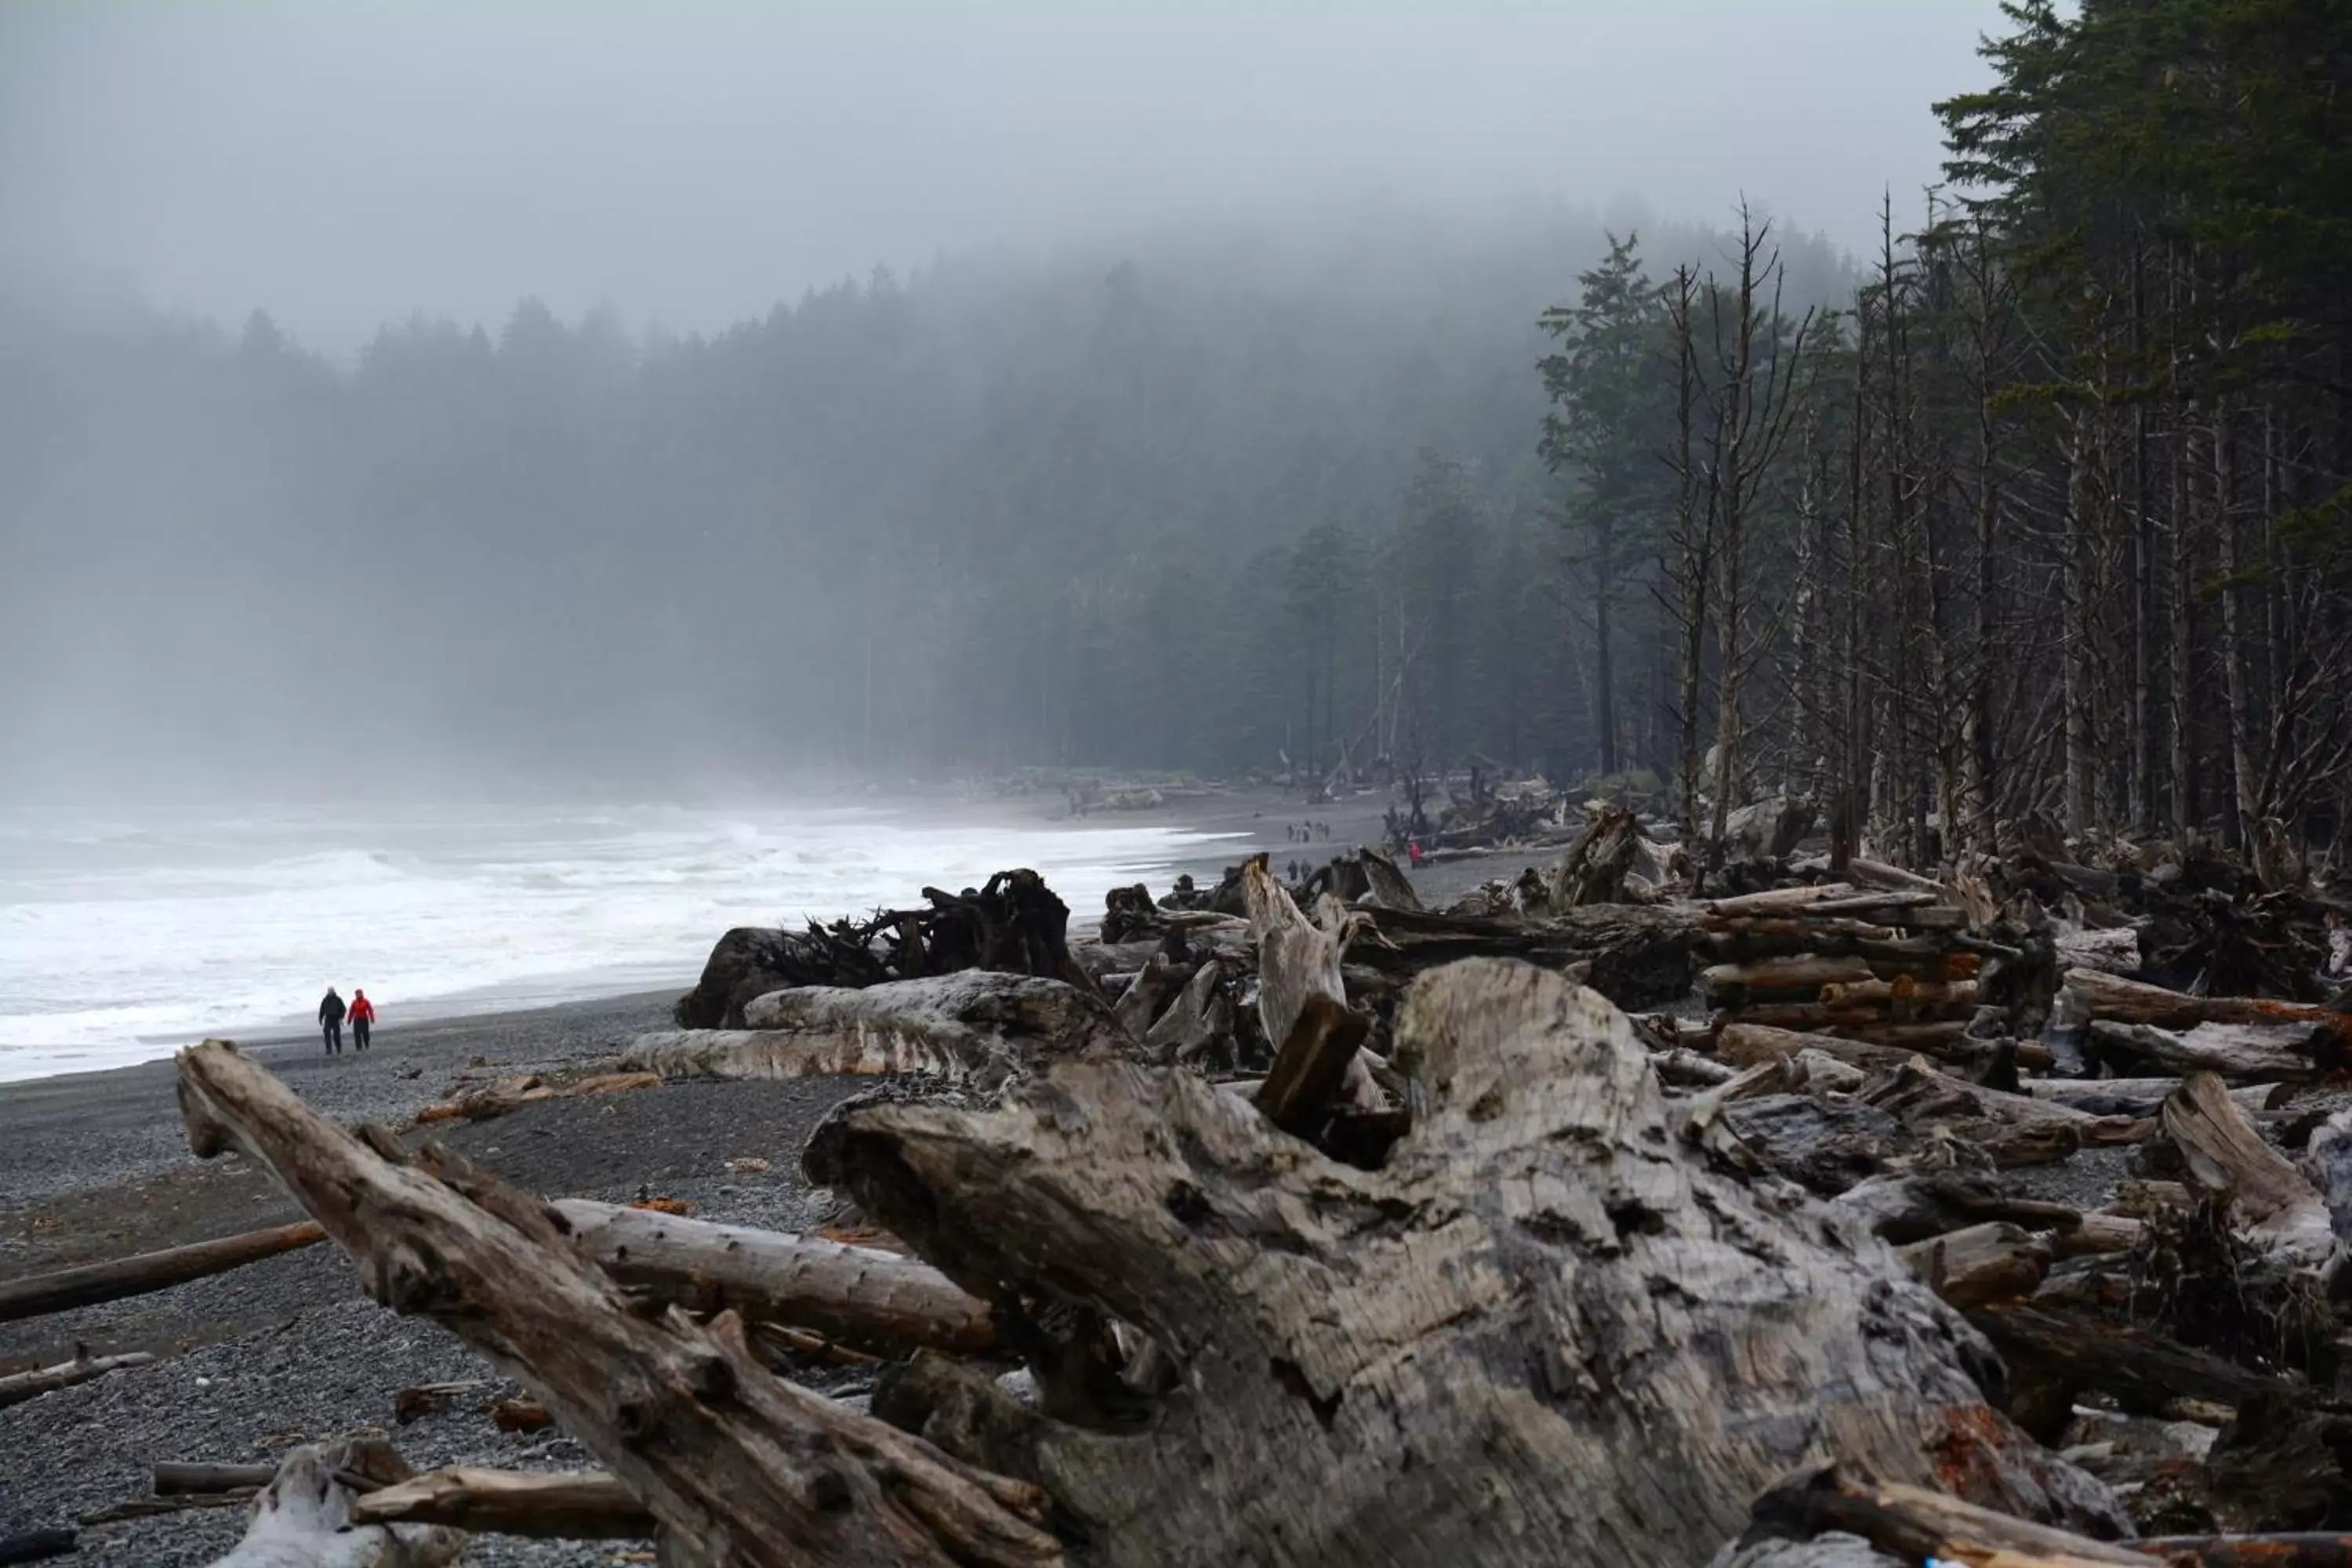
[1801, 977]
[2135, 1096]
[181, 1480]
[17, 1387]
[565, 1505]
[2113, 997]
[976, 1026]
[743, 1469]
[855, 1293]
[1542, 1287]
[2261, 1054]
[111, 1281]
[1637, 957]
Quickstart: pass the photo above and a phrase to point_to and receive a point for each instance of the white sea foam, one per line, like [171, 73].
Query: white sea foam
[122, 941]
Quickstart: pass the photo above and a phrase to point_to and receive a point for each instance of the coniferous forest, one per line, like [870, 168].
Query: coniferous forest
[2039, 512]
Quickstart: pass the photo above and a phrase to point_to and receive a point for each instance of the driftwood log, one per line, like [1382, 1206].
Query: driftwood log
[1634, 956]
[19, 1386]
[742, 1469]
[860, 1294]
[111, 1281]
[977, 1026]
[1544, 1332]
[570, 1505]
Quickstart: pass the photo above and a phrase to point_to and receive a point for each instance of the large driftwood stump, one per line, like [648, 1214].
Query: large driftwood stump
[1545, 1331]
[742, 1469]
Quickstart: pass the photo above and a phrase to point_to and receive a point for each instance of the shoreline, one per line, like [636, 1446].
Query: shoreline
[1236, 821]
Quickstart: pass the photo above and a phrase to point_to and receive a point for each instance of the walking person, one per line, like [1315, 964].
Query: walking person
[362, 1017]
[331, 1020]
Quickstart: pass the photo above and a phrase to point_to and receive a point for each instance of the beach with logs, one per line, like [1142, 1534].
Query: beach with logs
[1609, 1209]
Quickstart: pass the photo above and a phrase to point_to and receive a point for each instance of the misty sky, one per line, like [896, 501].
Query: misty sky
[342, 163]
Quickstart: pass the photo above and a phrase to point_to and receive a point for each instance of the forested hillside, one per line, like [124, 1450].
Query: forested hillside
[1158, 506]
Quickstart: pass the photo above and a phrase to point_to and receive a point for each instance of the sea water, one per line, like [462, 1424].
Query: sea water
[122, 941]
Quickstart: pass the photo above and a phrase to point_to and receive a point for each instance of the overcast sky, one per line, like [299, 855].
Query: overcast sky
[340, 163]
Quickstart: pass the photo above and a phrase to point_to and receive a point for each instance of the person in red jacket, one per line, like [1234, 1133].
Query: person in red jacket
[362, 1017]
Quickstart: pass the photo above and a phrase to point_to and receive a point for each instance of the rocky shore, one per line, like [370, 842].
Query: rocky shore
[95, 1166]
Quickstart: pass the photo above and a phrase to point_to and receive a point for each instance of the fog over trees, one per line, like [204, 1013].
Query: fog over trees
[1178, 505]
[2035, 509]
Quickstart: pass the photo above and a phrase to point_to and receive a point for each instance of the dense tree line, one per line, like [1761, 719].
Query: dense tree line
[2048, 525]
[1208, 501]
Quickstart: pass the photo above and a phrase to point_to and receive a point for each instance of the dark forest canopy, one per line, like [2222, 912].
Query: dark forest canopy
[1105, 510]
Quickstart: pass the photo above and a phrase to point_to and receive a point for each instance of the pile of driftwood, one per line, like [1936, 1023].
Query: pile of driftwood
[1337, 1228]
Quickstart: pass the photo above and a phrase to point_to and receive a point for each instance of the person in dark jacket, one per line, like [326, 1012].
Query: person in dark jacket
[331, 1020]
[362, 1017]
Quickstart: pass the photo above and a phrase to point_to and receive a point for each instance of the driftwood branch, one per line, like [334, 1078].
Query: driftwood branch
[742, 1469]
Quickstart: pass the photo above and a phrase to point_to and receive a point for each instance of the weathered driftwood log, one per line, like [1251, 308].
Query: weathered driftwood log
[37, 1545]
[1746, 938]
[1160, 981]
[1541, 1289]
[18, 1386]
[742, 1468]
[1901, 992]
[1777, 900]
[2054, 1352]
[170, 1479]
[2226, 1153]
[1635, 956]
[1915, 1207]
[1202, 1015]
[302, 1519]
[1369, 877]
[2114, 951]
[1593, 869]
[111, 1281]
[1914, 1524]
[2260, 1053]
[1015, 925]
[2123, 1001]
[1982, 1263]
[567, 1505]
[2137, 1096]
[856, 1293]
[1800, 976]
[978, 1027]
[1303, 1006]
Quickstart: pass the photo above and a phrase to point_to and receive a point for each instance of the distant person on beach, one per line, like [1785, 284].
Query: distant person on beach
[1412, 851]
[331, 1020]
[362, 1016]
